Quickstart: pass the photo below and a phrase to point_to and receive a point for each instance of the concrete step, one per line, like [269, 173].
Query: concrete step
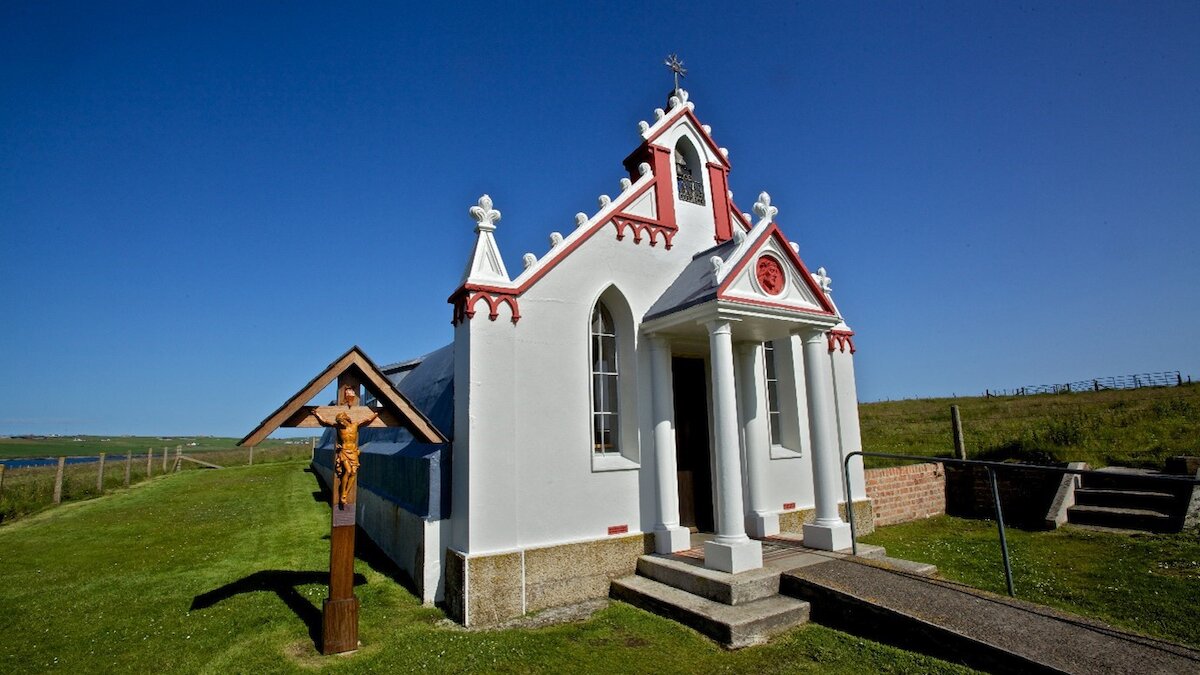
[722, 587]
[1120, 518]
[1122, 478]
[1135, 499]
[732, 626]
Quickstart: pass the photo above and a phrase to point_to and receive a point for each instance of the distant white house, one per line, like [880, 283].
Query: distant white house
[669, 366]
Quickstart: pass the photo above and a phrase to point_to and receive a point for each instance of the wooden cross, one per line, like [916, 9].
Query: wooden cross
[354, 372]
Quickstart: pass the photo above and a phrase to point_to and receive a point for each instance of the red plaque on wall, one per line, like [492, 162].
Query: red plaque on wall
[770, 275]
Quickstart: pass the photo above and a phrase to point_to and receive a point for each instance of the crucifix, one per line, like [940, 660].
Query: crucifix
[676, 67]
[354, 372]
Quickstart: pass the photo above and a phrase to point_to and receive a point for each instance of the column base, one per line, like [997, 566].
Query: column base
[759, 525]
[672, 539]
[733, 558]
[827, 537]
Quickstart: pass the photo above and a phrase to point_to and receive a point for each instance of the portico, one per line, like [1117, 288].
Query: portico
[749, 326]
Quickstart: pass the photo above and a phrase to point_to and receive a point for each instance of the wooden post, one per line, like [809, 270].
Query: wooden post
[164, 460]
[339, 616]
[58, 476]
[100, 475]
[960, 448]
[251, 456]
[128, 466]
[178, 458]
[149, 459]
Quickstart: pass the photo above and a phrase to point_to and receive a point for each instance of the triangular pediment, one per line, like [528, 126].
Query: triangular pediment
[394, 409]
[768, 271]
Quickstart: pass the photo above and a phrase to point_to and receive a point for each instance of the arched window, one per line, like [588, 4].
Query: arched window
[605, 422]
[687, 173]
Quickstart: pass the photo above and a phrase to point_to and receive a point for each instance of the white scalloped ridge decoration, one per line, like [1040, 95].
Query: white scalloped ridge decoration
[605, 200]
[529, 259]
[625, 184]
[643, 168]
[581, 219]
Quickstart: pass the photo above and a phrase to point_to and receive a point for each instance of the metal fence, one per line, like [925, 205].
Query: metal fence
[1170, 378]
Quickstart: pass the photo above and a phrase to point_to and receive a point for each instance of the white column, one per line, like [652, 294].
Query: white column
[669, 536]
[830, 532]
[763, 521]
[731, 550]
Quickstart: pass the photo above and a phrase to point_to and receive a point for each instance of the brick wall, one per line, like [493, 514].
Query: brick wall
[903, 493]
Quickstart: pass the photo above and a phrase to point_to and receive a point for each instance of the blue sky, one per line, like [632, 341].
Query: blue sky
[201, 205]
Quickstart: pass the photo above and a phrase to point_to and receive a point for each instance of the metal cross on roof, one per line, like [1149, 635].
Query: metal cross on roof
[676, 67]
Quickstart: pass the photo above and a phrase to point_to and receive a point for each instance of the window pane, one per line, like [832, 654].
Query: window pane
[600, 393]
[776, 428]
[773, 396]
[769, 354]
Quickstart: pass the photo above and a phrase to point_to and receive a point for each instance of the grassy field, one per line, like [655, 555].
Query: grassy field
[1136, 427]
[68, 446]
[1145, 583]
[223, 571]
[28, 490]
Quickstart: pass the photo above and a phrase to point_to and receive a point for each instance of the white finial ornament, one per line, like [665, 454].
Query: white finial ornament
[529, 259]
[659, 113]
[581, 219]
[717, 263]
[643, 169]
[556, 238]
[707, 129]
[724, 152]
[643, 126]
[485, 216]
[625, 184]
[763, 208]
[739, 235]
[823, 280]
[747, 217]
[485, 265]
[605, 200]
[795, 247]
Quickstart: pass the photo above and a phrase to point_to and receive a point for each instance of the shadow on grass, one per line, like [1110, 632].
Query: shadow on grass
[282, 583]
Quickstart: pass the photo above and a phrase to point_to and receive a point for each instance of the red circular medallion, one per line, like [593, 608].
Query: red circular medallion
[770, 275]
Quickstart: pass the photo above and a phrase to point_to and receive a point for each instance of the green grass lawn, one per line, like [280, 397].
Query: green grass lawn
[222, 571]
[1146, 583]
[1134, 427]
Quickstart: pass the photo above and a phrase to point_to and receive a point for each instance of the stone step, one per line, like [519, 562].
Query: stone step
[732, 626]
[722, 587]
[1121, 478]
[1120, 518]
[1137, 499]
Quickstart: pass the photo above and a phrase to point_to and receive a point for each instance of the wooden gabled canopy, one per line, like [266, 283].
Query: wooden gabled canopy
[354, 365]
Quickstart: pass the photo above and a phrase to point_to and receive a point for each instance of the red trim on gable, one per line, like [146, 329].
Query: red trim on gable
[467, 295]
[718, 181]
[640, 225]
[774, 231]
[685, 111]
[840, 339]
[776, 305]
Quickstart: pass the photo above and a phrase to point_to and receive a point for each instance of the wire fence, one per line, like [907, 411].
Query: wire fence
[1169, 378]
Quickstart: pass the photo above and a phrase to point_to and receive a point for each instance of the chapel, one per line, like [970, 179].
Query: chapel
[669, 377]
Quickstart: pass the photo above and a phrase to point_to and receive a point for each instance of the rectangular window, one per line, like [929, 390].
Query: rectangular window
[772, 394]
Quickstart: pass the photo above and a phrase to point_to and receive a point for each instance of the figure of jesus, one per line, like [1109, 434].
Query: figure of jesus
[345, 463]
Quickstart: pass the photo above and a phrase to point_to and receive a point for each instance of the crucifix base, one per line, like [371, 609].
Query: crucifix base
[339, 626]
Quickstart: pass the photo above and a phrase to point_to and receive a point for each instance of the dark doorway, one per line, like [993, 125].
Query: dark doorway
[691, 443]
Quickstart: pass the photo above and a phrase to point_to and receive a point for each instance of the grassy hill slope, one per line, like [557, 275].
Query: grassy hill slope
[1135, 427]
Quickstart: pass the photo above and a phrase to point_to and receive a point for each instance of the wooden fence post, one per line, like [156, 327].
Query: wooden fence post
[128, 465]
[960, 448]
[149, 459]
[58, 477]
[164, 460]
[178, 458]
[100, 475]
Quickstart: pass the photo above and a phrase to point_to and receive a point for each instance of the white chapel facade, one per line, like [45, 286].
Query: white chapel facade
[670, 366]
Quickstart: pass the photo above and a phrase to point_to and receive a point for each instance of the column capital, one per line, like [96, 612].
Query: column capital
[658, 342]
[719, 326]
[813, 335]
